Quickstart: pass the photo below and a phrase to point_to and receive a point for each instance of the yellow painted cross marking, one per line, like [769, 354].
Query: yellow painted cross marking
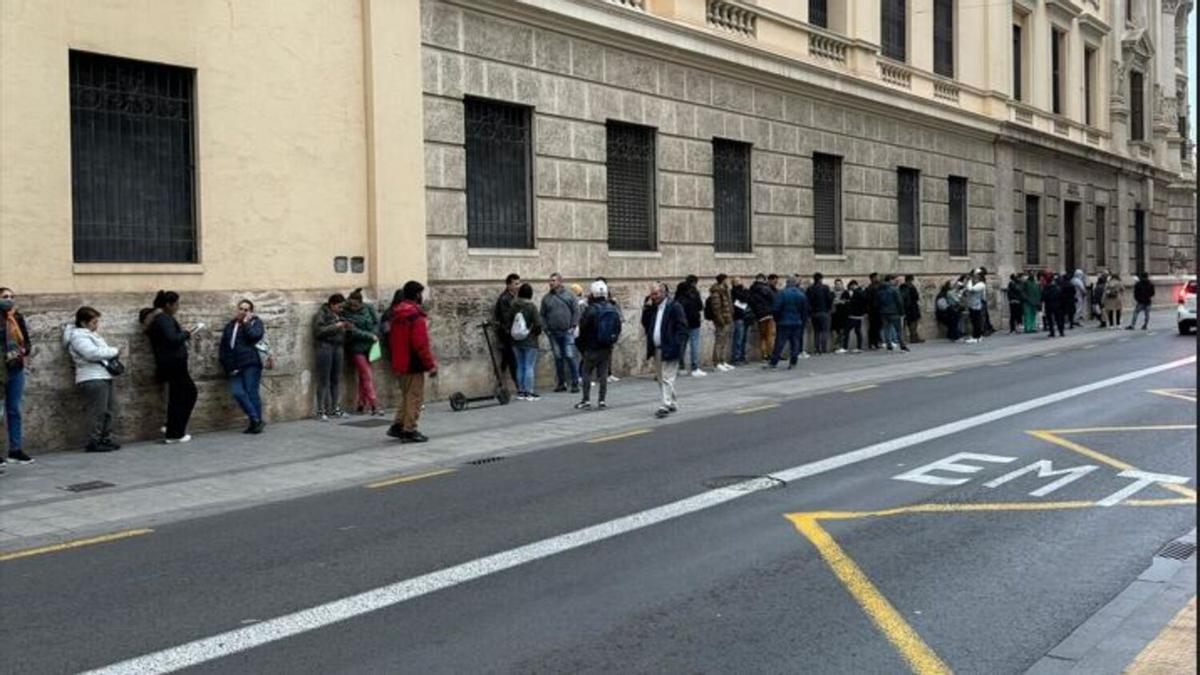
[66, 545]
[616, 437]
[1188, 395]
[408, 479]
[756, 408]
[861, 387]
[940, 373]
[1053, 436]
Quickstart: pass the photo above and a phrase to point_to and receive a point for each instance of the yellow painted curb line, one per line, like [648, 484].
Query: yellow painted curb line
[67, 545]
[408, 479]
[617, 437]
[757, 408]
[861, 387]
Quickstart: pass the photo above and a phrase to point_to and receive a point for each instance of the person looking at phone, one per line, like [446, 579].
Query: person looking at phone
[169, 341]
[329, 331]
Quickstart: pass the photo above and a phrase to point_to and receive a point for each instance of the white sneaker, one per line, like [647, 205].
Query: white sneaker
[182, 439]
[162, 431]
[840, 351]
[970, 341]
[724, 367]
[805, 355]
[698, 373]
[730, 366]
[613, 378]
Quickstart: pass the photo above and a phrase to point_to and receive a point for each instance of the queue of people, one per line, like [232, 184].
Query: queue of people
[1067, 301]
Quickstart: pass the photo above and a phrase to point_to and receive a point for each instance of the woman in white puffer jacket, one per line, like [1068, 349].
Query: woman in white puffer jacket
[90, 353]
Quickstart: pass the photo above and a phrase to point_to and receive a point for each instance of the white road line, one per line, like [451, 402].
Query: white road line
[241, 639]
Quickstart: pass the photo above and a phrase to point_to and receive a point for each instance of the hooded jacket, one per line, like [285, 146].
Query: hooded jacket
[364, 328]
[88, 351]
[722, 304]
[1143, 292]
[167, 340]
[326, 328]
[975, 292]
[1079, 284]
[238, 345]
[408, 339]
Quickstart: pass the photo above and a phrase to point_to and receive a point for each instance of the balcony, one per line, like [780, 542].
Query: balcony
[1067, 129]
[732, 17]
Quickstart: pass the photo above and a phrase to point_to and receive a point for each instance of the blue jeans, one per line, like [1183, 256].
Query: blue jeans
[13, 391]
[892, 332]
[526, 362]
[562, 345]
[692, 346]
[793, 336]
[244, 386]
[739, 341]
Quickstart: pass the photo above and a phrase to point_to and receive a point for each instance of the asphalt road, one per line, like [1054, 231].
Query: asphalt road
[733, 588]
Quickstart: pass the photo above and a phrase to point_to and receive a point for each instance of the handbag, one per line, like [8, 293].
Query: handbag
[114, 366]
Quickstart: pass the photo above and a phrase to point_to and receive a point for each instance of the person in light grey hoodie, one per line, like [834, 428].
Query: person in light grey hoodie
[1079, 284]
[92, 357]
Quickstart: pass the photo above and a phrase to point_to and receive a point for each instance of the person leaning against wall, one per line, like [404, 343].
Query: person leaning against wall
[242, 362]
[169, 342]
[95, 364]
[14, 337]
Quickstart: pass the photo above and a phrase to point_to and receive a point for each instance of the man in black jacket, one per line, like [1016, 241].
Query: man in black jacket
[688, 298]
[1143, 296]
[762, 299]
[820, 303]
[500, 318]
[912, 308]
[666, 329]
[874, 326]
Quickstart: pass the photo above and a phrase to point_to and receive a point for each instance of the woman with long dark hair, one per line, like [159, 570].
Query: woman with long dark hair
[169, 342]
[16, 348]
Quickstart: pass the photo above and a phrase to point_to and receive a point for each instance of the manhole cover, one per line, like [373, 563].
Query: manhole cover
[90, 485]
[1177, 550]
[485, 460]
[743, 483]
[367, 424]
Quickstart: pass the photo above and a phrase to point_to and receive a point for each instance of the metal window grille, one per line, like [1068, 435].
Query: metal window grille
[631, 193]
[943, 37]
[1033, 235]
[499, 197]
[958, 215]
[827, 203]
[1101, 238]
[1139, 240]
[909, 196]
[1056, 71]
[818, 13]
[1016, 60]
[894, 29]
[1137, 104]
[731, 196]
[132, 170]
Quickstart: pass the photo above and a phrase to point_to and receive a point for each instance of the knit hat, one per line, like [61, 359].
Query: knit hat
[599, 289]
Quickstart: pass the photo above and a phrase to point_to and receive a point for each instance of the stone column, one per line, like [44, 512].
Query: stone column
[1003, 225]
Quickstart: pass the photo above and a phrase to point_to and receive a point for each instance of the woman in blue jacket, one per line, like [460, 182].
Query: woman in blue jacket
[240, 358]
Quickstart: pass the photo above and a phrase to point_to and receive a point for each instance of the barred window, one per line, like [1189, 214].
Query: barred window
[1139, 240]
[1137, 106]
[499, 175]
[731, 195]
[827, 204]
[943, 37]
[958, 216]
[1033, 235]
[132, 167]
[1101, 238]
[908, 183]
[631, 190]
[818, 13]
[894, 29]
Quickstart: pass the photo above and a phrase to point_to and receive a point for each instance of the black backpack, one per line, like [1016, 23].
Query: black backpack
[608, 325]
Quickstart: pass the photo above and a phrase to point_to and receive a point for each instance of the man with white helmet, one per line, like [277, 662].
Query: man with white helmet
[599, 330]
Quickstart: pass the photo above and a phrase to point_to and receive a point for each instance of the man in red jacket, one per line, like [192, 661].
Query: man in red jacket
[408, 338]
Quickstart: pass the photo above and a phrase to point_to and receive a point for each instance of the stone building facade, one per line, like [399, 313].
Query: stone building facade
[366, 142]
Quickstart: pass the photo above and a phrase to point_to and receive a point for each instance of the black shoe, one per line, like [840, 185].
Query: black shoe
[249, 428]
[108, 442]
[575, 389]
[1128, 327]
[257, 427]
[661, 413]
[560, 388]
[19, 457]
[413, 437]
[94, 446]
[602, 405]
[396, 431]
[583, 405]
[903, 348]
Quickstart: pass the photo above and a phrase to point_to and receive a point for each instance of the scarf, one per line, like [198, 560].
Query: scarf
[14, 337]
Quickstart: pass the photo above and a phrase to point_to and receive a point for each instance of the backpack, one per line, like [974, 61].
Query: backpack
[710, 312]
[608, 326]
[520, 329]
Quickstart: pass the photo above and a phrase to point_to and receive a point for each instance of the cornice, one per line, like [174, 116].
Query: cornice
[1091, 23]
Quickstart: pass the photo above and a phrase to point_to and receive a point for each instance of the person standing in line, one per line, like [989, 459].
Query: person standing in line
[666, 329]
[1053, 305]
[856, 312]
[988, 328]
[1114, 300]
[360, 339]
[791, 314]
[239, 357]
[1143, 297]
[839, 316]
[501, 314]
[612, 300]
[719, 310]
[974, 295]
[1015, 292]
[688, 298]
[912, 308]
[169, 342]
[1098, 298]
[411, 359]
[1079, 289]
[91, 356]
[1068, 297]
[560, 318]
[874, 329]
[946, 314]
[762, 299]
[1031, 300]
[599, 330]
[525, 327]
[891, 313]
[820, 303]
[741, 320]
[329, 331]
[18, 347]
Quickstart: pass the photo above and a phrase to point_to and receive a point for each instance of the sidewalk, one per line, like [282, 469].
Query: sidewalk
[154, 483]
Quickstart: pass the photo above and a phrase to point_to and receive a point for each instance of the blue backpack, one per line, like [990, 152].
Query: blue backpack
[608, 326]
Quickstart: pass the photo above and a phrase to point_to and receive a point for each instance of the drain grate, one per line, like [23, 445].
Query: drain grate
[744, 483]
[369, 423]
[1177, 550]
[485, 460]
[89, 485]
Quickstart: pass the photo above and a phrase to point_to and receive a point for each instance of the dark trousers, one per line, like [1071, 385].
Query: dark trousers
[952, 320]
[1057, 317]
[820, 324]
[101, 408]
[976, 323]
[330, 359]
[1114, 317]
[913, 325]
[874, 331]
[181, 399]
[1015, 315]
[793, 336]
[853, 323]
[508, 359]
[595, 361]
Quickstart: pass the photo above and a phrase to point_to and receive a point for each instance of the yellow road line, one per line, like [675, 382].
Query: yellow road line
[615, 437]
[999, 363]
[1049, 437]
[1173, 393]
[912, 648]
[1151, 427]
[67, 545]
[861, 387]
[940, 373]
[408, 479]
[757, 408]
[1089, 346]
[1049, 354]
[982, 508]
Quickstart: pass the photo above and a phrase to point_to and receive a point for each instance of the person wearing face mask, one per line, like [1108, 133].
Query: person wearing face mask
[169, 342]
[14, 337]
[91, 356]
[239, 356]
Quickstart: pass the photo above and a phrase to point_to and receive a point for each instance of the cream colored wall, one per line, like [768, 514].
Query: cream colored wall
[281, 145]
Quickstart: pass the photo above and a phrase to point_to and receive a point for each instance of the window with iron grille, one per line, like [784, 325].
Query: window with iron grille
[1101, 238]
[894, 29]
[827, 204]
[132, 168]
[1016, 60]
[1033, 235]
[908, 193]
[499, 175]
[1139, 240]
[958, 215]
[1056, 85]
[943, 37]
[818, 13]
[631, 193]
[1137, 106]
[731, 195]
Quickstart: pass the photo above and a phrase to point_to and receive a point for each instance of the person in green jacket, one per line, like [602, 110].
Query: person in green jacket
[1031, 299]
[360, 338]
